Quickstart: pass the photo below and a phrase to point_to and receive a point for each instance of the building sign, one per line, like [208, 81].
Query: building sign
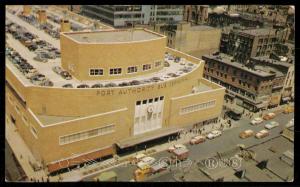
[134, 90]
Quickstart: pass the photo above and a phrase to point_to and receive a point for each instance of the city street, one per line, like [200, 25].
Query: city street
[227, 141]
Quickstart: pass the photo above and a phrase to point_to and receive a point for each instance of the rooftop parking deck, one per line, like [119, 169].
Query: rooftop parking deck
[113, 36]
[171, 70]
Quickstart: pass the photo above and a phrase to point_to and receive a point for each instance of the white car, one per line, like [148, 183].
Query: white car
[177, 146]
[149, 160]
[257, 121]
[272, 125]
[182, 63]
[261, 134]
[145, 162]
[213, 134]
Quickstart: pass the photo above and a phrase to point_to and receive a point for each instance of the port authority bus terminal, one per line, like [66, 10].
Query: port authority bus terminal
[147, 91]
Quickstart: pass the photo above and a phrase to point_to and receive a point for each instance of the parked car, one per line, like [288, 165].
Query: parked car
[124, 84]
[67, 86]
[177, 146]
[256, 121]
[40, 59]
[83, 86]
[271, 125]
[261, 134]
[98, 85]
[111, 84]
[246, 134]
[135, 82]
[197, 140]
[66, 75]
[213, 134]
[269, 116]
[57, 69]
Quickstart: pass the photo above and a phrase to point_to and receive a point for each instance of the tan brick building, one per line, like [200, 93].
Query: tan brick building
[64, 127]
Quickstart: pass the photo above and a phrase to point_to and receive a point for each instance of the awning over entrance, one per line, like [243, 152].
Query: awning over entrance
[147, 137]
[79, 159]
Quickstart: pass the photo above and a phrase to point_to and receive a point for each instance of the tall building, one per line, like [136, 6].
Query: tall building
[126, 15]
[196, 14]
[126, 91]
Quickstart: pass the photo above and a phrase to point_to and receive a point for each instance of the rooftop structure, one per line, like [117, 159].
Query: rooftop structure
[227, 59]
[113, 36]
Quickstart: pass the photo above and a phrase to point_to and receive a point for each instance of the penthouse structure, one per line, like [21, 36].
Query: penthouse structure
[127, 88]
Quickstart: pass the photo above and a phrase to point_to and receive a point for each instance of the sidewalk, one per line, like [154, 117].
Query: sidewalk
[19, 148]
[14, 139]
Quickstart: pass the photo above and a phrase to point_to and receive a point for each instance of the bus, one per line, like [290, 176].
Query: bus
[234, 114]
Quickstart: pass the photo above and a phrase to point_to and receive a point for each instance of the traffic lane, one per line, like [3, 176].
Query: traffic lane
[228, 140]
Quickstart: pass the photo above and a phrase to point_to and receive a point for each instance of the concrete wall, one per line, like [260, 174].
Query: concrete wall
[198, 42]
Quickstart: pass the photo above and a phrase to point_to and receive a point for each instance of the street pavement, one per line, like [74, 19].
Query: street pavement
[227, 141]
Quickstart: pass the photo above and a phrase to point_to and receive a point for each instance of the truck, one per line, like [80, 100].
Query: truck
[180, 154]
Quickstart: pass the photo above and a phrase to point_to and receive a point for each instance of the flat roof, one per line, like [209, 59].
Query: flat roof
[113, 36]
[226, 59]
[259, 32]
[47, 120]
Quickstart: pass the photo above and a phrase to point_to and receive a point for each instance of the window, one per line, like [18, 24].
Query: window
[234, 72]
[225, 76]
[132, 69]
[33, 131]
[146, 67]
[95, 72]
[144, 101]
[161, 98]
[240, 82]
[150, 100]
[217, 73]
[156, 99]
[197, 107]
[221, 74]
[25, 120]
[10, 99]
[138, 103]
[86, 134]
[158, 63]
[115, 71]
[17, 109]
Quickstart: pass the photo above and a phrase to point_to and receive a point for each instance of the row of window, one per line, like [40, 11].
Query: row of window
[86, 134]
[23, 117]
[197, 107]
[156, 99]
[118, 71]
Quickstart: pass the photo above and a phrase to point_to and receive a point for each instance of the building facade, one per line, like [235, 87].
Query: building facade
[246, 87]
[195, 14]
[126, 15]
[82, 124]
[244, 44]
[262, 84]
[195, 40]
